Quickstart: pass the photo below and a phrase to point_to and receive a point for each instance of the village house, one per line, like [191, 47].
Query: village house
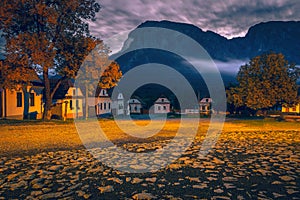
[67, 101]
[205, 106]
[118, 105]
[134, 106]
[291, 109]
[161, 106]
[102, 103]
[14, 103]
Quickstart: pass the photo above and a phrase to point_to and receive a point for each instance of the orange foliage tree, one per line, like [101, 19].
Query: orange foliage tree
[47, 35]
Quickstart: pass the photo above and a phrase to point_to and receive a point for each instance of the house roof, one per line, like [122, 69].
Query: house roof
[162, 100]
[206, 100]
[62, 89]
[134, 101]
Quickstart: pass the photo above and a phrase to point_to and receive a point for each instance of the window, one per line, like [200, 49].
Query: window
[100, 106]
[158, 108]
[71, 105]
[135, 108]
[108, 106]
[19, 99]
[31, 99]
[77, 104]
[294, 109]
[165, 108]
[74, 92]
[203, 108]
[162, 100]
[104, 106]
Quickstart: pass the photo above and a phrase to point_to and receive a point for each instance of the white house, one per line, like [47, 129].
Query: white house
[161, 105]
[118, 105]
[205, 105]
[134, 106]
[101, 103]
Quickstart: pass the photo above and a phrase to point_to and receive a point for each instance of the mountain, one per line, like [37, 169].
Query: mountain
[276, 36]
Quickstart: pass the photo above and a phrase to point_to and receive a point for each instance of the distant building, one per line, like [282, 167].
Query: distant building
[291, 109]
[191, 111]
[162, 105]
[205, 105]
[103, 103]
[118, 105]
[134, 106]
[67, 101]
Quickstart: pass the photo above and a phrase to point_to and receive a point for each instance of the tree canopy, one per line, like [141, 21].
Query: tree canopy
[266, 81]
[47, 35]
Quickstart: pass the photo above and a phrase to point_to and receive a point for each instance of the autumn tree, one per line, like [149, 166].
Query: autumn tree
[97, 71]
[52, 35]
[266, 81]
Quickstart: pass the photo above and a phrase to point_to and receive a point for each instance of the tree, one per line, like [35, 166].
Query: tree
[98, 71]
[266, 81]
[51, 35]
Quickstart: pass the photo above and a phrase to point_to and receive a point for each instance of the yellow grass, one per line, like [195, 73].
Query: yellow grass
[30, 138]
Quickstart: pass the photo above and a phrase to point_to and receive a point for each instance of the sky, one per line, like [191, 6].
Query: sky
[229, 18]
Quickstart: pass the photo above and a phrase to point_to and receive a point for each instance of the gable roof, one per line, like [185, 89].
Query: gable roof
[162, 100]
[134, 101]
[62, 89]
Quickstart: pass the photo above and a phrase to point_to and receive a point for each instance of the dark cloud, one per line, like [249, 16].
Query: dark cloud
[229, 18]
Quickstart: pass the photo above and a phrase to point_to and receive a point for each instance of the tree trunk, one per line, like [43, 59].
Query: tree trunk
[48, 99]
[26, 103]
[86, 101]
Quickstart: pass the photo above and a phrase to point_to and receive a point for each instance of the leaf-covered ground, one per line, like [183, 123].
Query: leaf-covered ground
[251, 160]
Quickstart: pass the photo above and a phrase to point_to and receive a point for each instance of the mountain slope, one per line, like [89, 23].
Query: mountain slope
[280, 37]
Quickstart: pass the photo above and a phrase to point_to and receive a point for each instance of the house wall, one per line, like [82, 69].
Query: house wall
[295, 109]
[74, 110]
[161, 108]
[14, 112]
[135, 108]
[119, 107]
[103, 106]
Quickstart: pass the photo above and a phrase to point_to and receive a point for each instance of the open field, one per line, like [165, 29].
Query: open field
[251, 159]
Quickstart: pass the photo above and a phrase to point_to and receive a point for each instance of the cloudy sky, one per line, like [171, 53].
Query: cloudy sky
[230, 18]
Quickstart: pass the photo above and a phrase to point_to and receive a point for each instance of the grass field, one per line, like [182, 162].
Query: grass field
[29, 137]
